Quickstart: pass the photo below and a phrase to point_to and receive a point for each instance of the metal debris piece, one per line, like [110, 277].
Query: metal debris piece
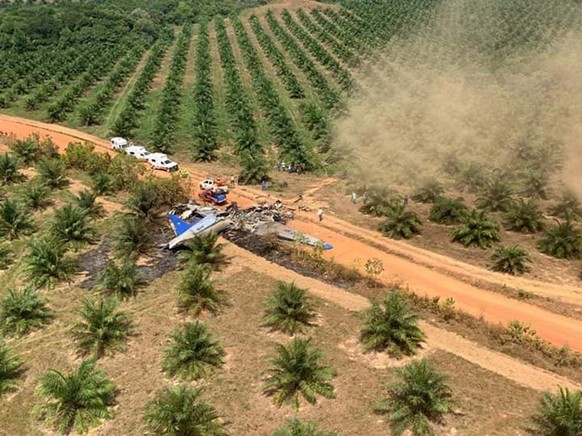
[191, 219]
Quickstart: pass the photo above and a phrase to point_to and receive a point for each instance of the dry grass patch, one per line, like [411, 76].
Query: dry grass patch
[489, 403]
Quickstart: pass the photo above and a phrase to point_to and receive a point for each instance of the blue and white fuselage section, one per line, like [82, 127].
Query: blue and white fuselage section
[185, 231]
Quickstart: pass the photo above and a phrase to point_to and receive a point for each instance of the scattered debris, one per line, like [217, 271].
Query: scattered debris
[190, 219]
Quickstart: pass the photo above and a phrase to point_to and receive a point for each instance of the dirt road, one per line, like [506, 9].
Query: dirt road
[525, 375]
[424, 272]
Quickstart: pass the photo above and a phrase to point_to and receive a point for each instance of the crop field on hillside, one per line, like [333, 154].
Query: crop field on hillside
[87, 292]
[276, 77]
[434, 144]
[328, 88]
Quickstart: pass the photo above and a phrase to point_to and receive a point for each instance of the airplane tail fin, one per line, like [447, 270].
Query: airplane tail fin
[178, 224]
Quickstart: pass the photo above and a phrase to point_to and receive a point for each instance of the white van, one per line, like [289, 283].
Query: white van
[118, 143]
[160, 161]
[137, 151]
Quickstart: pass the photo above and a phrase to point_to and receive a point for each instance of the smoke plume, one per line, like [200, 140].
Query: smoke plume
[483, 84]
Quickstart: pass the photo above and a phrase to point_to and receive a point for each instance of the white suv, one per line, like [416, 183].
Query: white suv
[118, 143]
[137, 151]
[160, 161]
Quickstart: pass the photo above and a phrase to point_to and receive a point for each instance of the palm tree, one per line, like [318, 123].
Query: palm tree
[288, 309]
[102, 184]
[568, 209]
[316, 120]
[295, 427]
[204, 250]
[535, 184]
[525, 217]
[400, 223]
[430, 191]
[102, 329]
[48, 263]
[72, 224]
[563, 241]
[511, 260]
[179, 411]
[448, 211]
[28, 150]
[14, 220]
[132, 237]
[52, 173]
[36, 195]
[297, 372]
[22, 311]
[79, 400]
[6, 256]
[559, 414]
[472, 177]
[253, 166]
[391, 327]
[10, 369]
[377, 201]
[197, 291]
[476, 229]
[420, 397]
[144, 201]
[496, 195]
[193, 352]
[86, 201]
[121, 280]
[9, 169]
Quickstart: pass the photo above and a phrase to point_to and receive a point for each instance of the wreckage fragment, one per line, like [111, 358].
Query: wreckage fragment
[190, 220]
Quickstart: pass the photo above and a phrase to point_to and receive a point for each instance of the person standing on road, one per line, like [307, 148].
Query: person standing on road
[354, 198]
[320, 214]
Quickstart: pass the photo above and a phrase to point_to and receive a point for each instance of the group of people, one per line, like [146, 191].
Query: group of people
[290, 168]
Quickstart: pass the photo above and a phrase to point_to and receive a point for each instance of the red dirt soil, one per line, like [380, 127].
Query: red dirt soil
[508, 367]
[425, 272]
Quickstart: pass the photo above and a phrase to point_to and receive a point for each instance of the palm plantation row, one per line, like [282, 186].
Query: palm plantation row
[476, 227]
[298, 372]
[421, 396]
[301, 70]
[81, 399]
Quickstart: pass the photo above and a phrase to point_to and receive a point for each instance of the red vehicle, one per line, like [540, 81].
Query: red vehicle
[213, 196]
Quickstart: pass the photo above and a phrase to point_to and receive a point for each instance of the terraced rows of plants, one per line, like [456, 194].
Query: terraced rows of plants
[70, 280]
[285, 73]
[301, 63]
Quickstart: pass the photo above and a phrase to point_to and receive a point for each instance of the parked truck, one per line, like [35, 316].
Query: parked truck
[213, 197]
[216, 185]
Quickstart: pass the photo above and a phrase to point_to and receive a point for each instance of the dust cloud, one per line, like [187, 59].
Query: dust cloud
[491, 84]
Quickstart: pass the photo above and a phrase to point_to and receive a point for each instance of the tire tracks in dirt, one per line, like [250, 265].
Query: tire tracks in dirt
[425, 273]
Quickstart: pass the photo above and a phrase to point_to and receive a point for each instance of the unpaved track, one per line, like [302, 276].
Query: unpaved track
[426, 273]
[566, 293]
[525, 375]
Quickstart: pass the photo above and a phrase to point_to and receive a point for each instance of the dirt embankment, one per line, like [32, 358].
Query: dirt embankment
[424, 272]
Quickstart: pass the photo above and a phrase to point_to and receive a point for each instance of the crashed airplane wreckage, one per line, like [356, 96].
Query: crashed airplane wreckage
[190, 220]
